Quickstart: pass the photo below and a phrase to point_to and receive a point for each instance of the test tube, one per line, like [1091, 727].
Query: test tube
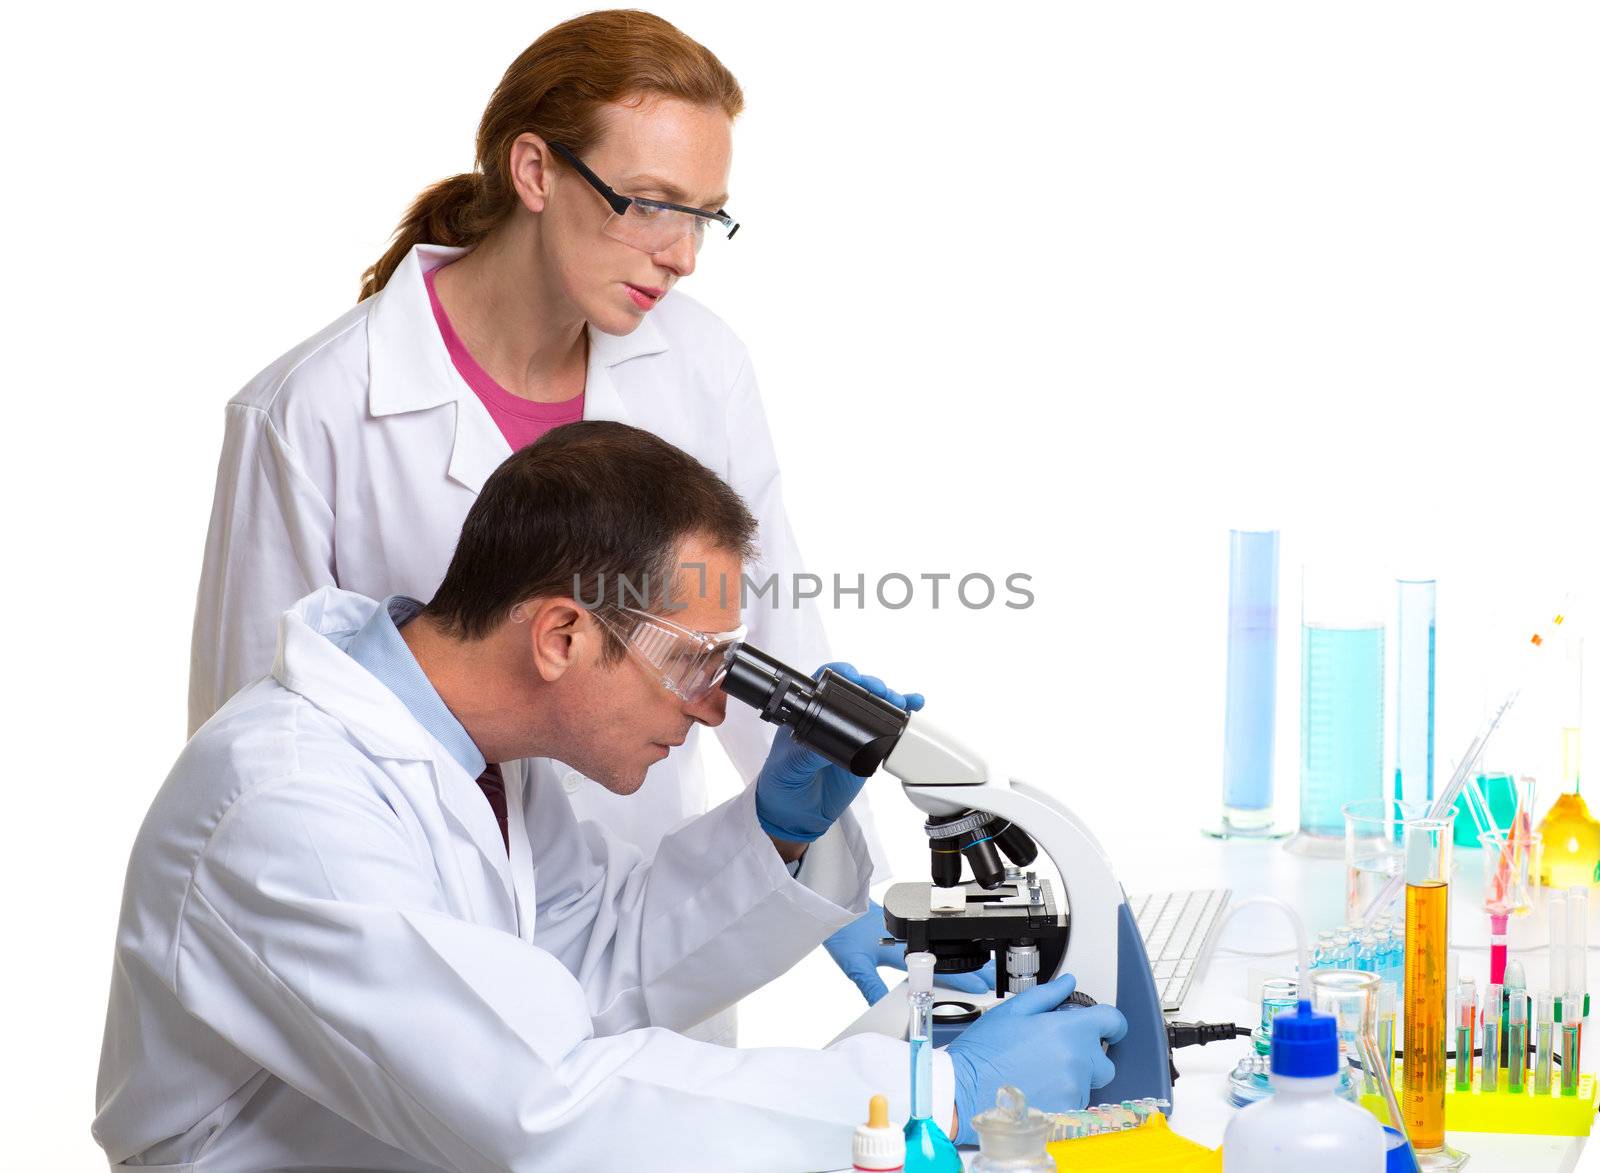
[1388, 1006]
[1491, 1039]
[1466, 1018]
[1497, 947]
[1544, 1040]
[1516, 1040]
[1414, 690]
[1516, 987]
[1571, 1046]
[1578, 943]
[1555, 908]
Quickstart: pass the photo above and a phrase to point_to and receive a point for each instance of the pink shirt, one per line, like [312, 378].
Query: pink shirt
[521, 421]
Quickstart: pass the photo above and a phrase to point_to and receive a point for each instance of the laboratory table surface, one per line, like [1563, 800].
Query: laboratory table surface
[1258, 942]
[1315, 887]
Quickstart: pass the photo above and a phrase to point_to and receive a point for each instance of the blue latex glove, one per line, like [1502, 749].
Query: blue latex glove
[857, 950]
[1053, 1055]
[800, 793]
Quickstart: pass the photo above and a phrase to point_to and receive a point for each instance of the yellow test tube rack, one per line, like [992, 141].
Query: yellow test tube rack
[1522, 1112]
[1150, 1148]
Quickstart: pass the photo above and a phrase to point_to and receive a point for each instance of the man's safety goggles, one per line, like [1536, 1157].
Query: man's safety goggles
[651, 226]
[688, 663]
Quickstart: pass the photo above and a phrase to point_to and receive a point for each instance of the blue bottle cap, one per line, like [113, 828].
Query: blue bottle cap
[1305, 1044]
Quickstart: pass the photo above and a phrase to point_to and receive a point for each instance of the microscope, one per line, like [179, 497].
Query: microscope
[1013, 915]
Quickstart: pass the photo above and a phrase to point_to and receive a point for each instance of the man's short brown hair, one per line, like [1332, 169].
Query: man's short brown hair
[587, 508]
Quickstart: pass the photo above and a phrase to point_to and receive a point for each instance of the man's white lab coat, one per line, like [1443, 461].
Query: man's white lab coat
[326, 960]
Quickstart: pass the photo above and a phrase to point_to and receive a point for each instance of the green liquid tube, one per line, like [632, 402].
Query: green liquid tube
[1544, 1041]
[1466, 1017]
[1490, 1080]
[1517, 1043]
[1571, 1023]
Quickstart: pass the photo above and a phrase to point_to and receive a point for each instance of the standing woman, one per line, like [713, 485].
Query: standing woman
[536, 290]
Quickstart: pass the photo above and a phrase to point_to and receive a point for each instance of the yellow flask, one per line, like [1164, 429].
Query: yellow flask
[1571, 844]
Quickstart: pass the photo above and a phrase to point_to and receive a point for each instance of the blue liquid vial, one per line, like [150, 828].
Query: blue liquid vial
[928, 1149]
[1250, 719]
[1341, 725]
[1415, 652]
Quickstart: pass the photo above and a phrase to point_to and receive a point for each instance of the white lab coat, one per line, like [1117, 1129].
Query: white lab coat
[353, 459]
[326, 960]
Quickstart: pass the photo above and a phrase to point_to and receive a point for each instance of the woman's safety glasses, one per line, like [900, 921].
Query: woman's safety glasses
[688, 663]
[651, 226]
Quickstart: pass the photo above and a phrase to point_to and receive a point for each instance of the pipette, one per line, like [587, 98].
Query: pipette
[1465, 776]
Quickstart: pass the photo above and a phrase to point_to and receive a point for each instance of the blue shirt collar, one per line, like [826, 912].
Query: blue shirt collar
[379, 648]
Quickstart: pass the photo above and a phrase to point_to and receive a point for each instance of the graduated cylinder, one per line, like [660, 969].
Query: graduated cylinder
[1427, 1026]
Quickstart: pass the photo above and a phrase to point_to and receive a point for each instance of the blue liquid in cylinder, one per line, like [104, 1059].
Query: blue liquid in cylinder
[1341, 723]
[1252, 690]
[928, 1149]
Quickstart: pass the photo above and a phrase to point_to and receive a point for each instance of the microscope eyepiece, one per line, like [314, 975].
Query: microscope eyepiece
[832, 715]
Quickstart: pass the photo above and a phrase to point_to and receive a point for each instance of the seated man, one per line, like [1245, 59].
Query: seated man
[335, 954]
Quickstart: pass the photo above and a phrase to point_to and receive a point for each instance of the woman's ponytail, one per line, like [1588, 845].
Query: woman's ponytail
[448, 213]
[556, 89]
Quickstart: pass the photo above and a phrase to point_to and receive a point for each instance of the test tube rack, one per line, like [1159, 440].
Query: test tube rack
[1152, 1147]
[1522, 1112]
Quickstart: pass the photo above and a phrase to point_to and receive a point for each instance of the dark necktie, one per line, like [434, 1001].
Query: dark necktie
[493, 785]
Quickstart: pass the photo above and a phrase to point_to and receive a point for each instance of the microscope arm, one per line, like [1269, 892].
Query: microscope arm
[941, 776]
[852, 728]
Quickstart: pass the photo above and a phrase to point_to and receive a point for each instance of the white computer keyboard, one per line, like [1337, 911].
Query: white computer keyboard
[1177, 928]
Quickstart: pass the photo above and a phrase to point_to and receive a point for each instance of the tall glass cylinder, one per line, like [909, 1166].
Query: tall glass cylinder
[1427, 989]
[1414, 689]
[1250, 718]
[1341, 704]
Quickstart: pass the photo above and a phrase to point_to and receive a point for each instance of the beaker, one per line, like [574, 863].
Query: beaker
[1510, 871]
[1352, 998]
[1415, 652]
[1278, 996]
[1374, 840]
[1250, 717]
[1500, 793]
[1341, 705]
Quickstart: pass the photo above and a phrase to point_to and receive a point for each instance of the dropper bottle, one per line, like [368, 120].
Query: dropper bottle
[878, 1147]
[928, 1149]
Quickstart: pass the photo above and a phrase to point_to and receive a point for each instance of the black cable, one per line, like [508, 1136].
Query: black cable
[1198, 1034]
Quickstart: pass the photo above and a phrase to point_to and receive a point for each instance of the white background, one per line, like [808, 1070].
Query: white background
[1065, 290]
